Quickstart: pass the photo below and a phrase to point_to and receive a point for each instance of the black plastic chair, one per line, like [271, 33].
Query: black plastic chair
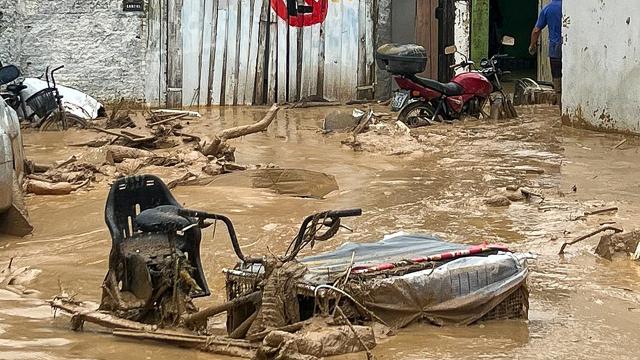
[131, 195]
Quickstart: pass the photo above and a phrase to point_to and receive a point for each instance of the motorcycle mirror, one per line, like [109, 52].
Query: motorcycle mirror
[508, 40]
[450, 50]
[8, 74]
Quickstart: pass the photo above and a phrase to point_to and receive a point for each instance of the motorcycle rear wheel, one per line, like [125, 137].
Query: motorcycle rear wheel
[418, 114]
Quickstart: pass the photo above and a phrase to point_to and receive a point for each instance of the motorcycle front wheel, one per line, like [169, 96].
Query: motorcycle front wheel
[418, 114]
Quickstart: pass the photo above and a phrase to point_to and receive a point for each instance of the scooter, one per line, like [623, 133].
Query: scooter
[45, 103]
[423, 101]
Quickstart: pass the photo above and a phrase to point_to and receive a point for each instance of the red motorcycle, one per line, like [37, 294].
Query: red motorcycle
[423, 101]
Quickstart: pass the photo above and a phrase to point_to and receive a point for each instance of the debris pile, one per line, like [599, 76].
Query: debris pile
[153, 142]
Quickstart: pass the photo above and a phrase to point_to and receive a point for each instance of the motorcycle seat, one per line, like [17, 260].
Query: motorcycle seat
[15, 88]
[448, 89]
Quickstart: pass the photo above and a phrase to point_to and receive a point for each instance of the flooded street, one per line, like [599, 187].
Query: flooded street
[581, 306]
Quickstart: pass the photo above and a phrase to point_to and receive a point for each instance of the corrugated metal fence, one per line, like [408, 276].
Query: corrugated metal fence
[235, 52]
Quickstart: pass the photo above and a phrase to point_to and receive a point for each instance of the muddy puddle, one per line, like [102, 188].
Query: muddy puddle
[581, 306]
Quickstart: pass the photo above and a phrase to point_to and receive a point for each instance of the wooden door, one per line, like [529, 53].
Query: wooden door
[427, 34]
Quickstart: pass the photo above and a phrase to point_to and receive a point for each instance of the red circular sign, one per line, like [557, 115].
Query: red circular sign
[317, 16]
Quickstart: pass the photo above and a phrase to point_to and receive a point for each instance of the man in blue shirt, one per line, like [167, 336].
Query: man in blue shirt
[551, 16]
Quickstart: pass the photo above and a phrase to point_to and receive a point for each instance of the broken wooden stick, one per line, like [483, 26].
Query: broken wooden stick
[213, 344]
[202, 315]
[164, 336]
[188, 136]
[169, 119]
[622, 142]
[83, 313]
[310, 104]
[170, 111]
[355, 333]
[583, 237]
[241, 331]
[114, 133]
[601, 211]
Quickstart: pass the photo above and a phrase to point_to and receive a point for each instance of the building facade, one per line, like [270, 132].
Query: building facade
[601, 63]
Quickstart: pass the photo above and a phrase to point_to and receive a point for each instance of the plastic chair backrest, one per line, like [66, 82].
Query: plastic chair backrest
[133, 194]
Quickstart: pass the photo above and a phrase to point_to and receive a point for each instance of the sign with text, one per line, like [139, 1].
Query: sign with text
[133, 5]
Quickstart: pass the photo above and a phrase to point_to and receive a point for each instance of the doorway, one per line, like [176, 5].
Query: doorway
[513, 18]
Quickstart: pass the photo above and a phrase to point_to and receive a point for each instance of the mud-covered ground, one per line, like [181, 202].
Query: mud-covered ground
[582, 307]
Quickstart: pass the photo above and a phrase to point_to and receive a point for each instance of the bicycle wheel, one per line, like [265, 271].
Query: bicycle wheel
[54, 122]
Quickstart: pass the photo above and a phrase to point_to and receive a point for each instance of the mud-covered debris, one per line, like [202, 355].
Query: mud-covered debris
[340, 121]
[530, 169]
[320, 339]
[497, 201]
[16, 279]
[613, 246]
[589, 235]
[119, 117]
[291, 182]
[515, 196]
[117, 153]
[48, 188]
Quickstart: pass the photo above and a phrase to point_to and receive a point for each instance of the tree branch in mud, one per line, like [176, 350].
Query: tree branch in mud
[216, 146]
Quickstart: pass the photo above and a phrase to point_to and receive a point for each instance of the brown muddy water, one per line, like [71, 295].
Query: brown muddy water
[582, 307]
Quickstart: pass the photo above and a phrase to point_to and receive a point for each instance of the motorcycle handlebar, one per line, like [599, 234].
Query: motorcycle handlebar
[201, 216]
[345, 213]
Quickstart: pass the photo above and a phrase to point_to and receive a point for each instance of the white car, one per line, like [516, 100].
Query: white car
[11, 174]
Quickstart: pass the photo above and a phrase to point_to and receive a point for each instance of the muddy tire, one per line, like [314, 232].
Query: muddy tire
[417, 114]
[52, 123]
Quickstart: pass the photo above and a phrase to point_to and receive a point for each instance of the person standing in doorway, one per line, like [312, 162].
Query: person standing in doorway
[551, 16]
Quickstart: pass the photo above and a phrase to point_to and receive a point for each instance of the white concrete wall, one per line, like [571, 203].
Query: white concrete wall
[102, 47]
[462, 30]
[601, 63]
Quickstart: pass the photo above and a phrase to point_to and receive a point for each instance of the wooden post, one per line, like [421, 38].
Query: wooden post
[479, 29]
[174, 54]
